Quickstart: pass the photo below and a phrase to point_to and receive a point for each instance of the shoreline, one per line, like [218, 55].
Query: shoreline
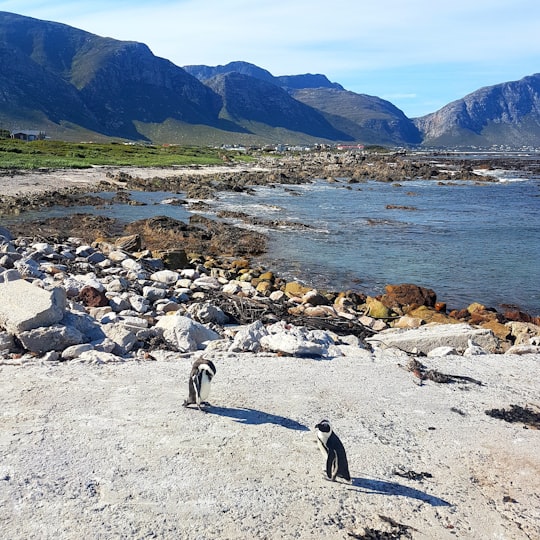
[34, 189]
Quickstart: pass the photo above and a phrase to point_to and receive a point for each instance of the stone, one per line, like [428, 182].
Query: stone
[73, 351]
[207, 313]
[24, 306]
[408, 295]
[248, 338]
[92, 297]
[7, 344]
[499, 329]
[442, 351]
[376, 309]
[55, 337]
[427, 338]
[522, 332]
[430, 315]
[523, 349]
[184, 334]
[168, 277]
[295, 289]
[408, 322]
[123, 338]
[315, 298]
[133, 242]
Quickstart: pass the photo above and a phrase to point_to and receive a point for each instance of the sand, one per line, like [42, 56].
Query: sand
[108, 451]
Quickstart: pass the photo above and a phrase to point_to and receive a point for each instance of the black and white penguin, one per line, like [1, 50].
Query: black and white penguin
[202, 373]
[333, 451]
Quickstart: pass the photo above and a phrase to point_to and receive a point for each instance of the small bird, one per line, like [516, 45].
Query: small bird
[202, 373]
[333, 451]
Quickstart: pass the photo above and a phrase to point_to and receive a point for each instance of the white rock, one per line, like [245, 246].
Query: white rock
[123, 338]
[427, 338]
[154, 293]
[441, 351]
[523, 349]
[99, 357]
[50, 338]
[184, 334]
[207, 313]
[69, 353]
[248, 338]
[24, 306]
[169, 277]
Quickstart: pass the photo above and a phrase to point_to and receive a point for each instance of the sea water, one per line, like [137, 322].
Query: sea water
[469, 242]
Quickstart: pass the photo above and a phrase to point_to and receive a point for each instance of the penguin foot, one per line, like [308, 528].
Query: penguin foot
[187, 403]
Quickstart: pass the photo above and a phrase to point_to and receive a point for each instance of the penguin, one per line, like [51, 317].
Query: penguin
[202, 373]
[333, 451]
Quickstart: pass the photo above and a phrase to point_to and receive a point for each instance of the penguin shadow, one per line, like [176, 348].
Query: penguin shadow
[382, 487]
[255, 417]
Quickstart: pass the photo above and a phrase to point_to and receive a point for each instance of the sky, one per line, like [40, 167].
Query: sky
[420, 55]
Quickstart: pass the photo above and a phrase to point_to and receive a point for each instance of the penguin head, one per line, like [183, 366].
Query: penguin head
[324, 426]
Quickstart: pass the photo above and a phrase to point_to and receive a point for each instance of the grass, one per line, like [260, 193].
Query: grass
[16, 154]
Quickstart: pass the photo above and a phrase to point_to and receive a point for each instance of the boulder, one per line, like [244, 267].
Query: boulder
[248, 338]
[408, 295]
[376, 309]
[92, 297]
[427, 338]
[24, 306]
[50, 338]
[184, 334]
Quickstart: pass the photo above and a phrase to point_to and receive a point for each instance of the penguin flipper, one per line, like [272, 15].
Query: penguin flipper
[331, 464]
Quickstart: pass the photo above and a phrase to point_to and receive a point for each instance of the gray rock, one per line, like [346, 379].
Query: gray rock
[69, 353]
[169, 277]
[24, 306]
[207, 313]
[427, 338]
[184, 334]
[7, 343]
[51, 338]
[248, 338]
[123, 338]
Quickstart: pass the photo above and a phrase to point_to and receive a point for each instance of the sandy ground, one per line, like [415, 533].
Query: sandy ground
[90, 451]
[28, 182]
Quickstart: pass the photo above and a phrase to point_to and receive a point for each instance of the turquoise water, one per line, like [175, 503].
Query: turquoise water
[468, 242]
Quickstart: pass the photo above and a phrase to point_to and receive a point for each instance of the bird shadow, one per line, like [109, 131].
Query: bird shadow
[382, 487]
[255, 417]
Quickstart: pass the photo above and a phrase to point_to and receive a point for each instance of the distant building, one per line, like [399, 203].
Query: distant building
[28, 135]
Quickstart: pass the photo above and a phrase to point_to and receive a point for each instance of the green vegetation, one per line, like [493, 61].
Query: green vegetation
[57, 154]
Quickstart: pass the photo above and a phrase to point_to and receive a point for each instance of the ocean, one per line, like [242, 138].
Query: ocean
[469, 242]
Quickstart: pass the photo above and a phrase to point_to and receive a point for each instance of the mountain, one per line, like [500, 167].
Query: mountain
[364, 118]
[503, 114]
[71, 77]
[252, 102]
[75, 85]
[357, 117]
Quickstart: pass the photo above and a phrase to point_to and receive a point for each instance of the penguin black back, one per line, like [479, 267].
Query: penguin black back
[332, 448]
[202, 373]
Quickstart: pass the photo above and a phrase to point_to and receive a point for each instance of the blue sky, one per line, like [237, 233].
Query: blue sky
[420, 54]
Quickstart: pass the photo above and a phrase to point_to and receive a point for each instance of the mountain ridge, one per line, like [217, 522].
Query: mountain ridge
[78, 86]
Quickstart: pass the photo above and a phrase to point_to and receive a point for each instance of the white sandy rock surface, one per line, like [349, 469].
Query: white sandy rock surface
[107, 451]
[30, 182]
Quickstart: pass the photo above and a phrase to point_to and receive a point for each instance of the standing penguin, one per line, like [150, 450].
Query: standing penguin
[201, 375]
[332, 449]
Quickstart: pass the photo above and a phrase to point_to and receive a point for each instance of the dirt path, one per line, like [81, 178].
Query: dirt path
[108, 451]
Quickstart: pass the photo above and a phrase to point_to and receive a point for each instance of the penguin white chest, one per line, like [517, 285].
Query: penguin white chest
[205, 386]
[322, 440]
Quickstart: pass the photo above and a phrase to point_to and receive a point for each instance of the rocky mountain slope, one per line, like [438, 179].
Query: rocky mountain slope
[504, 114]
[78, 86]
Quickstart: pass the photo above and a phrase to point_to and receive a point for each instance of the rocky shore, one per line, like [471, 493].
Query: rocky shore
[99, 326]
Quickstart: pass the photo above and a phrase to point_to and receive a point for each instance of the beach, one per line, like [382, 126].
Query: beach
[109, 452]
[97, 444]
